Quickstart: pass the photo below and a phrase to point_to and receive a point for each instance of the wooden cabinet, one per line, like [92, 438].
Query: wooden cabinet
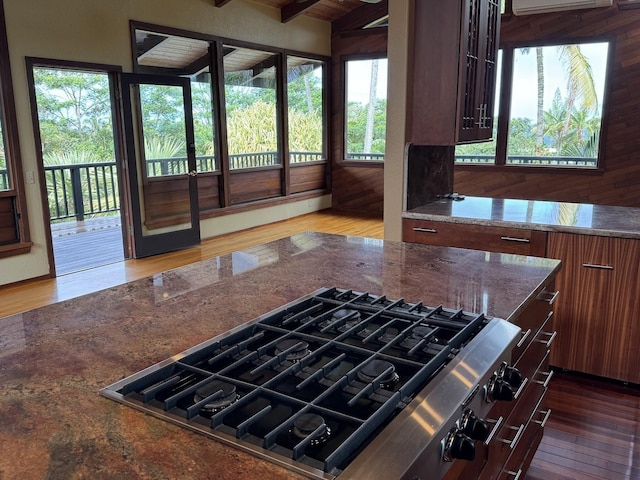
[476, 237]
[597, 313]
[454, 71]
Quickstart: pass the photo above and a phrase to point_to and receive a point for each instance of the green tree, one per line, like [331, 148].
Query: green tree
[74, 112]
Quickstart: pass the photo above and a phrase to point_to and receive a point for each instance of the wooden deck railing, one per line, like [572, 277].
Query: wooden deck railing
[532, 160]
[76, 191]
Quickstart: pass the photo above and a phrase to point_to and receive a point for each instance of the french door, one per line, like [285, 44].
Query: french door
[161, 163]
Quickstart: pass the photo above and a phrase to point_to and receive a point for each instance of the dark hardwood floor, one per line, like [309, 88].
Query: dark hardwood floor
[593, 431]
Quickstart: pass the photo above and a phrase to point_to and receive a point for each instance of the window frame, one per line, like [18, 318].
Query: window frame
[229, 177]
[343, 160]
[12, 150]
[504, 112]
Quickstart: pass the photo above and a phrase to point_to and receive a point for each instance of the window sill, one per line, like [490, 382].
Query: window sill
[362, 163]
[15, 249]
[530, 169]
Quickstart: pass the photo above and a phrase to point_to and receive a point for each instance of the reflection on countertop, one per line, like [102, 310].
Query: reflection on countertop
[535, 214]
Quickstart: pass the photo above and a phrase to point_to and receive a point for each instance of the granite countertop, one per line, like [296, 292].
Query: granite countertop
[582, 218]
[55, 359]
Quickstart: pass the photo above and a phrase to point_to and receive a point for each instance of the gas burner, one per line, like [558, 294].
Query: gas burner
[225, 395]
[348, 323]
[421, 331]
[374, 369]
[306, 424]
[295, 349]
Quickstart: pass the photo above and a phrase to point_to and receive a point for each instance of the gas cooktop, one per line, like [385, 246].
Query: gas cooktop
[310, 384]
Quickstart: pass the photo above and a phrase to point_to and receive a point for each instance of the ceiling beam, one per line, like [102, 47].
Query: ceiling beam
[361, 16]
[295, 8]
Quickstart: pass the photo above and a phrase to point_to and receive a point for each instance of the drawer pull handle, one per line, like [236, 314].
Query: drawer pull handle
[512, 443]
[516, 475]
[552, 296]
[425, 230]
[599, 267]
[524, 337]
[546, 381]
[520, 388]
[543, 422]
[515, 239]
[496, 425]
[552, 337]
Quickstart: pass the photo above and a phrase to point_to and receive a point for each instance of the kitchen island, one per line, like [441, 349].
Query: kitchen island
[55, 359]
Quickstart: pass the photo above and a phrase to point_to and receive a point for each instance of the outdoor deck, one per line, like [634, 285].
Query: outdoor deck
[87, 244]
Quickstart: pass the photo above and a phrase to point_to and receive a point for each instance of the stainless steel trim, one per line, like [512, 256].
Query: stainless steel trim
[543, 422]
[425, 230]
[524, 337]
[515, 239]
[494, 430]
[545, 383]
[516, 475]
[551, 338]
[599, 267]
[512, 443]
[551, 300]
[521, 388]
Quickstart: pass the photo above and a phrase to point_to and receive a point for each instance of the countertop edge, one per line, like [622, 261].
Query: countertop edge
[524, 225]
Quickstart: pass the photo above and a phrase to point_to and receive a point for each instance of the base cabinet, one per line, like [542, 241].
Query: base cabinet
[600, 300]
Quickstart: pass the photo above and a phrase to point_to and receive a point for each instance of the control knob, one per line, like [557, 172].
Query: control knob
[512, 375]
[459, 446]
[474, 427]
[499, 389]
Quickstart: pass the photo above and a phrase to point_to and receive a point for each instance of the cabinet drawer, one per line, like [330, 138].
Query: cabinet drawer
[532, 320]
[477, 237]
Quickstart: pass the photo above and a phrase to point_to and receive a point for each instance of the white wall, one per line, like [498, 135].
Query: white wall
[398, 51]
[97, 31]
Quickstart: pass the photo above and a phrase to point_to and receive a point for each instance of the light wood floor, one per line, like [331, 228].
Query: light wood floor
[32, 294]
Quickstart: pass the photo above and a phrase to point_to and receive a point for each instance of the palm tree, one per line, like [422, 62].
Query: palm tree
[580, 86]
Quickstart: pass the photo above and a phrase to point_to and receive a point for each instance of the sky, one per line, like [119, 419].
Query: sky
[525, 78]
[524, 94]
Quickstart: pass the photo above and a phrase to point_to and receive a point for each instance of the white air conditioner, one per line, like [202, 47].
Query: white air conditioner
[530, 7]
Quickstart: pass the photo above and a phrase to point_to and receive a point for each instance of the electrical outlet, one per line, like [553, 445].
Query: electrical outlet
[30, 177]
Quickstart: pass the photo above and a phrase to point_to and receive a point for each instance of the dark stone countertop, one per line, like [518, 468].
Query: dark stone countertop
[55, 359]
[581, 218]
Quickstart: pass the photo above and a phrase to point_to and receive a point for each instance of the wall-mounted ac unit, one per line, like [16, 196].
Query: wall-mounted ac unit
[529, 7]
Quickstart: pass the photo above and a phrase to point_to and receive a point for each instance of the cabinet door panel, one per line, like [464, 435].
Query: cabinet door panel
[581, 317]
[624, 309]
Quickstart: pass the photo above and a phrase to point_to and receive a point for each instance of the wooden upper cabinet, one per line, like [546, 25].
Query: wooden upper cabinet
[453, 75]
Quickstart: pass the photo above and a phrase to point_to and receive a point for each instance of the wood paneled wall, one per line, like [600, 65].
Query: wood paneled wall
[355, 187]
[361, 188]
[619, 184]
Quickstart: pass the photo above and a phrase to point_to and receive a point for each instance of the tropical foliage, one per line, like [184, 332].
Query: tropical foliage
[569, 126]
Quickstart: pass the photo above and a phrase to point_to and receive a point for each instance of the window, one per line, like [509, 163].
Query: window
[252, 119]
[250, 103]
[14, 232]
[366, 109]
[554, 113]
[305, 97]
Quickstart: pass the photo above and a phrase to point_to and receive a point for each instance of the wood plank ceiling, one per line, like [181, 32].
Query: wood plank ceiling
[327, 10]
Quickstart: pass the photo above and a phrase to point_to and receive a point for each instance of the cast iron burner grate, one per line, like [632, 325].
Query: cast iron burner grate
[312, 381]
